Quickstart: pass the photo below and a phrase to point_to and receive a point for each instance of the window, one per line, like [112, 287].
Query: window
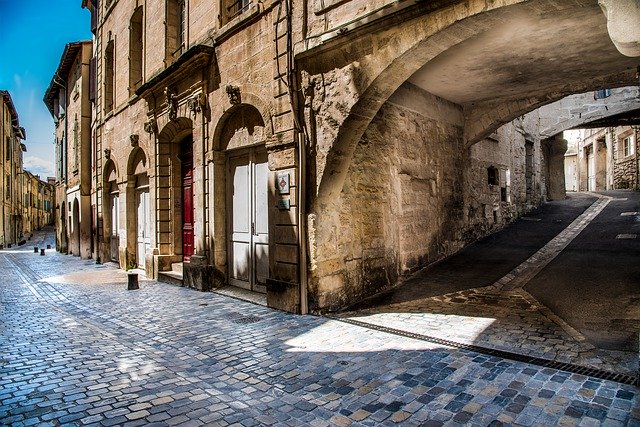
[75, 144]
[62, 103]
[76, 81]
[7, 150]
[601, 94]
[492, 175]
[176, 30]
[135, 51]
[108, 77]
[233, 8]
[627, 146]
[58, 159]
[92, 79]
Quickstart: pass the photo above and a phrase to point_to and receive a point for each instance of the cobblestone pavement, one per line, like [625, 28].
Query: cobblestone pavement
[504, 316]
[77, 348]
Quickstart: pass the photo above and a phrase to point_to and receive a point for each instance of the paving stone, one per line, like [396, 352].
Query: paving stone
[157, 356]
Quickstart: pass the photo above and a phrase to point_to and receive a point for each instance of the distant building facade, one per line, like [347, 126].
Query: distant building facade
[604, 159]
[67, 99]
[11, 149]
[38, 199]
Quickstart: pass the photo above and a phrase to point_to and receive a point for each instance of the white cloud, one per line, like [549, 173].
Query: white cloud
[17, 80]
[39, 166]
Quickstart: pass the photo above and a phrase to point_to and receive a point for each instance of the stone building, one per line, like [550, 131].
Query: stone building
[67, 99]
[37, 203]
[607, 158]
[323, 151]
[11, 149]
[626, 161]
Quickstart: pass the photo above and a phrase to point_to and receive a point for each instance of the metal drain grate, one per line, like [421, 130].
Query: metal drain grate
[245, 320]
[568, 367]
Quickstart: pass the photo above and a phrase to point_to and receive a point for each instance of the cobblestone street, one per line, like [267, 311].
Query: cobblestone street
[79, 349]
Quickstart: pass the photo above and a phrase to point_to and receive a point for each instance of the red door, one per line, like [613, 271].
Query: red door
[186, 156]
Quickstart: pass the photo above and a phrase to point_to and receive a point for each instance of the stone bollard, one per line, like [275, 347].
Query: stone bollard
[42, 252]
[133, 282]
[35, 249]
[48, 246]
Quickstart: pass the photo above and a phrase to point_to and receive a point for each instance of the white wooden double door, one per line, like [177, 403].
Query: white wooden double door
[143, 220]
[143, 223]
[591, 171]
[248, 219]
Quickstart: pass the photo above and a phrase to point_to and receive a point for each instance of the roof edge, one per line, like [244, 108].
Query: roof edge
[66, 59]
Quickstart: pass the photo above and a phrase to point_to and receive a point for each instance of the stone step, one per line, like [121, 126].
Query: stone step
[176, 267]
[172, 277]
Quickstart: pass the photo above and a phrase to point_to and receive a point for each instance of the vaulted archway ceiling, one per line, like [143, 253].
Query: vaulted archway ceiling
[534, 52]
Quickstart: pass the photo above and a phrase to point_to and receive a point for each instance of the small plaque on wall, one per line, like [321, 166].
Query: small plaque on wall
[284, 204]
[282, 182]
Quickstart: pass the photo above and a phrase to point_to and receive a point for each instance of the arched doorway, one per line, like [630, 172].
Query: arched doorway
[112, 211]
[246, 174]
[175, 208]
[138, 209]
[75, 228]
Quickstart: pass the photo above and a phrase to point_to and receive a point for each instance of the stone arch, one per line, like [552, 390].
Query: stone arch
[581, 109]
[110, 171]
[389, 60]
[175, 130]
[137, 162]
[240, 126]
[249, 101]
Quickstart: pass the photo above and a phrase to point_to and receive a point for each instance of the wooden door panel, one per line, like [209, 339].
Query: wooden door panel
[240, 271]
[143, 226]
[186, 157]
[260, 195]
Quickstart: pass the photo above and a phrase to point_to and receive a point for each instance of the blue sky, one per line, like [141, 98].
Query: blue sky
[32, 37]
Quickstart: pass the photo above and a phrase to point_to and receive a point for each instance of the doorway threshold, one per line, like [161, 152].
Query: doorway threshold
[242, 294]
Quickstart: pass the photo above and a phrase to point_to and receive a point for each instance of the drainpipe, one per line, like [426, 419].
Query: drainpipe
[292, 84]
[302, 223]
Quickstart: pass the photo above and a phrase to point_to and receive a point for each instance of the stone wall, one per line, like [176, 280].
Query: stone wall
[227, 68]
[625, 174]
[413, 195]
[400, 206]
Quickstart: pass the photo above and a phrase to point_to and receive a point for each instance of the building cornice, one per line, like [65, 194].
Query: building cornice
[196, 57]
